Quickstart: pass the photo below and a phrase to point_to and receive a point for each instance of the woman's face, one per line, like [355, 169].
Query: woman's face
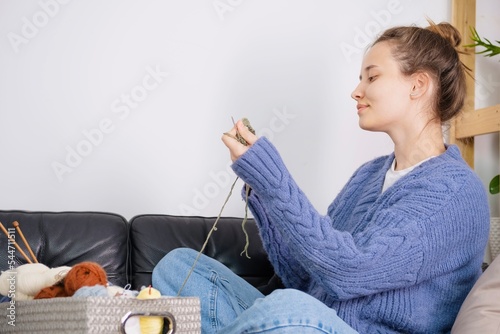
[383, 94]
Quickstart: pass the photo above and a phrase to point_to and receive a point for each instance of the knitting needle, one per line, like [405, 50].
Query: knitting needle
[12, 241]
[237, 132]
[16, 225]
[230, 135]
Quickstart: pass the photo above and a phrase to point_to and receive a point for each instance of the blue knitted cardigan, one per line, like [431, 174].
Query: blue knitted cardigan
[401, 261]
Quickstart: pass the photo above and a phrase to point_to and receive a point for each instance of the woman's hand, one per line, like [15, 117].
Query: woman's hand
[237, 149]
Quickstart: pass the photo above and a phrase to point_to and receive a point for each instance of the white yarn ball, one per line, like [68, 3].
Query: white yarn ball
[29, 279]
[25, 278]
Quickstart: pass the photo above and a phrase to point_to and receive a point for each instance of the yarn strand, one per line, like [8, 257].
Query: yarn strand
[239, 138]
[243, 223]
[214, 228]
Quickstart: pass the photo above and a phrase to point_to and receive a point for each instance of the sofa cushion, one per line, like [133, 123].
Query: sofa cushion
[153, 236]
[69, 238]
[480, 312]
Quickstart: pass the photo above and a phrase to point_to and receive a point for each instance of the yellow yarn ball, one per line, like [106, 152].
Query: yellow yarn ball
[150, 325]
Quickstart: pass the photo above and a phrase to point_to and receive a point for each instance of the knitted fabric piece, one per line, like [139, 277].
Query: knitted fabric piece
[399, 261]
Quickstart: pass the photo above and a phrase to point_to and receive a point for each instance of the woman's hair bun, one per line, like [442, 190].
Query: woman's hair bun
[447, 31]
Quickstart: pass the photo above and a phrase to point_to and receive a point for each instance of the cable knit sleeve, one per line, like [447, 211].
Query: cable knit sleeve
[271, 235]
[379, 243]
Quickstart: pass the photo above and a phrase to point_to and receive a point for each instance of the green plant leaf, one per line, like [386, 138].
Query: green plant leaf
[490, 49]
[494, 185]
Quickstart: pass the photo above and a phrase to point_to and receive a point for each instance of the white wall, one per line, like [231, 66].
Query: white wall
[186, 67]
[487, 162]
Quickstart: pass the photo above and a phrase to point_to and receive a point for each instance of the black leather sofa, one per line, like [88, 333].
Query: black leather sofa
[129, 250]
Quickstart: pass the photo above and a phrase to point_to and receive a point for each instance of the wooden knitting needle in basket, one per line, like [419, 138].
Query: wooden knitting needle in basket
[12, 241]
[16, 225]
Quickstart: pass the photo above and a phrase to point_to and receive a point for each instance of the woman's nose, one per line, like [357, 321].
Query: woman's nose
[356, 93]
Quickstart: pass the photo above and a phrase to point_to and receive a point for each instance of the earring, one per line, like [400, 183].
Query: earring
[413, 94]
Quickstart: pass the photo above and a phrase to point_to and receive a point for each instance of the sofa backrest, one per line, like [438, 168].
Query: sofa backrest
[152, 236]
[68, 238]
[129, 250]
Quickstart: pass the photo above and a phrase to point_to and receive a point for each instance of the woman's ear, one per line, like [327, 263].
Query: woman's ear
[421, 84]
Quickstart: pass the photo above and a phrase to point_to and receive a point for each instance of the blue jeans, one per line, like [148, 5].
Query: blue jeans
[231, 305]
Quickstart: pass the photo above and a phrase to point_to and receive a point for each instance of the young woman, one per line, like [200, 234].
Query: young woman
[401, 245]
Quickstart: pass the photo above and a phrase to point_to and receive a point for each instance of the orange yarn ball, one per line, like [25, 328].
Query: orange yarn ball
[56, 290]
[84, 274]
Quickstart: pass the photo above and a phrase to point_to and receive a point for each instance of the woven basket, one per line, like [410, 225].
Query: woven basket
[97, 314]
[494, 237]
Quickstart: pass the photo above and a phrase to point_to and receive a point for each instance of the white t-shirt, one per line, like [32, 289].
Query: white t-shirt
[393, 175]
